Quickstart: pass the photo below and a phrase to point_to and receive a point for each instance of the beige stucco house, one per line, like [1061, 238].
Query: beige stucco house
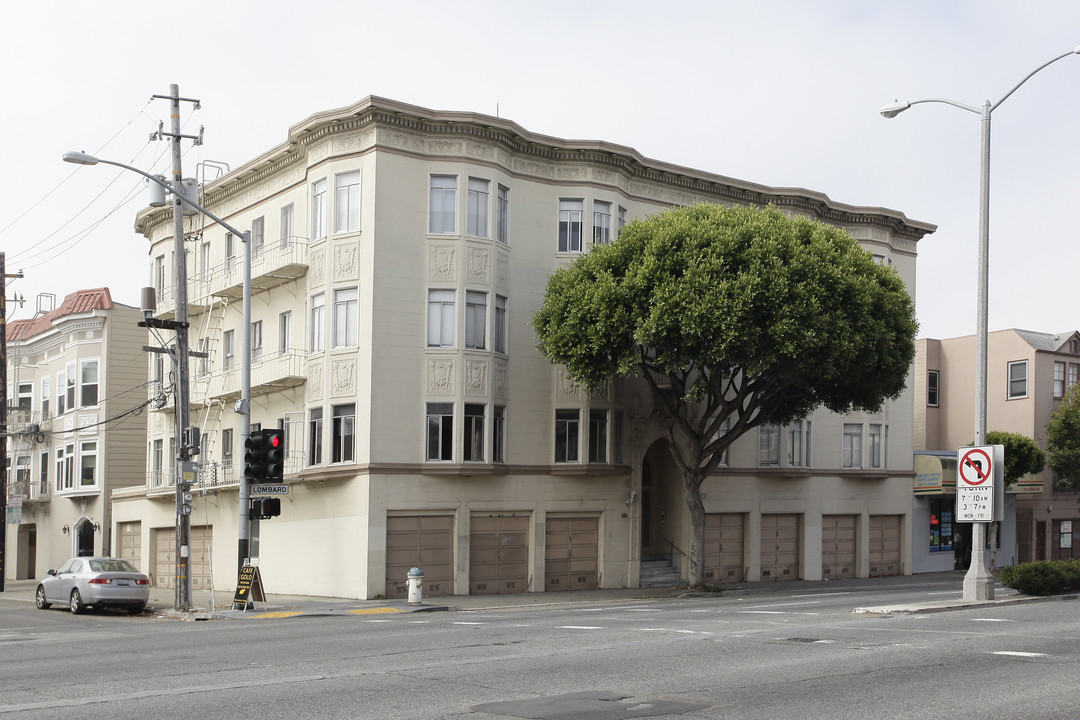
[1028, 374]
[399, 254]
[76, 429]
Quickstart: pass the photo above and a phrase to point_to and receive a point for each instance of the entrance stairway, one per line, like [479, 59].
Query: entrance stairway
[659, 572]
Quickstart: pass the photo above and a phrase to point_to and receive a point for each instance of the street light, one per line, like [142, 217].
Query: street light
[183, 584]
[978, 583]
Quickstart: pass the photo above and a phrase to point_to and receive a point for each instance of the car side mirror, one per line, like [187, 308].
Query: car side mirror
[51, 572]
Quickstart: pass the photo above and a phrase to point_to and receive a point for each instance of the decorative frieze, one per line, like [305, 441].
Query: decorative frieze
[446, 147]
[317, 268]
[476, 372]
[346, 262]
[501, 380]
[477, 265]
[441, 262]
[480, 150]
[314, 380]
[440, 376]
[502, 271]
[87, 424]
[343, 377]
[565, 387]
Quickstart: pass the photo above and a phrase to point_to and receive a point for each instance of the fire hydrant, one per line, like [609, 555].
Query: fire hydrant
[415, 580]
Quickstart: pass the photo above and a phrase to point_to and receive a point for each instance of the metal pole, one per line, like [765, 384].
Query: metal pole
[3, 421]
[183, 408]
[243, 521]
[978, 582]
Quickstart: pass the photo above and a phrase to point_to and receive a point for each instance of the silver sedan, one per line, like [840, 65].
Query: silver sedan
[97, 582]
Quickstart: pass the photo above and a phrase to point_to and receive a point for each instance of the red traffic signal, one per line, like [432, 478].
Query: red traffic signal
[264, 507]
[265, 457]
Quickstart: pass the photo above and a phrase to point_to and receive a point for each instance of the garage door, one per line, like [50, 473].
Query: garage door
[884, 545]
[423, 541]
[499, 554]
[570, 553]
[837, 546]
[130, 542]
[724, 547]
[779, 547]
[164, 569]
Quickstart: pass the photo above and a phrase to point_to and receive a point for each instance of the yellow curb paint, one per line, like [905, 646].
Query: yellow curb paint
[374, 611]
[269, 615]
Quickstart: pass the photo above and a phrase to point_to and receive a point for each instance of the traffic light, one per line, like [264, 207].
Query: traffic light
[274, 445]
[264, 507]
[256, 459]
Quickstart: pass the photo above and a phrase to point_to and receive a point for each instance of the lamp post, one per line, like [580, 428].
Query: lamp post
[183, 596]
[978, 582]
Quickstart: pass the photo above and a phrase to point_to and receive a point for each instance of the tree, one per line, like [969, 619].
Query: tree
[1023, 456]
[1063, 440]
[731, 313]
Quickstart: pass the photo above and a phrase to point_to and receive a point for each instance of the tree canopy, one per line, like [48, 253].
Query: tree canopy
[1023, 456]
[1063, 440]
[731, 312]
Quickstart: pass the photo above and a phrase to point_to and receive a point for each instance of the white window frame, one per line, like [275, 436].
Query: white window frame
[318, 209]
[285, 226]
[439, 432]
[498, 332]
[88, 461]
[440, 318]
[567, 435]
[1014, 380]
[69, 390]
[315, 436]
[598, 435]
[257, 341]
[284, 331]
[473, 432]
[317, 323]
[1059, 380]
[852, 445]
[228, 349]
[442, 209]
[769, 446]
[475, 320]
[502, 213]
[343, 433]
[479, 194]
[874, 448]
[571, 224]
[346, 318]
[933, 388]
[258, 236]
[84, 365]
[601, 222]
[347, 202]
[498, 433]
[46, 398]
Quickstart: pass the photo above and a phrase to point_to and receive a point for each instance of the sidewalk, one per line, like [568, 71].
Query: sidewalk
[218, 605]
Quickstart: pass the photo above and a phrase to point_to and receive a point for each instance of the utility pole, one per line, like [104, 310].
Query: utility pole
[182, 389]
[3, 416]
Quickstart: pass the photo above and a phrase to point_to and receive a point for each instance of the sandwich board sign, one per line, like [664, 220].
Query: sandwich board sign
[980, 483]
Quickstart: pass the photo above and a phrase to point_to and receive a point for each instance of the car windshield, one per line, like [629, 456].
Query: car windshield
[112, 566]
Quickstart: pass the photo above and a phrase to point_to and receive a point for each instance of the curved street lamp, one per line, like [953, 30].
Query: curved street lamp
[978, 583]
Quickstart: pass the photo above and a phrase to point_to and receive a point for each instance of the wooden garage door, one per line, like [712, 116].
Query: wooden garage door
[837, 546]
[884, 545]
[570, 553]
[164, 568]
[130, 542]
[724, 547]
[423, 541]
[499, 554]
[779, 547]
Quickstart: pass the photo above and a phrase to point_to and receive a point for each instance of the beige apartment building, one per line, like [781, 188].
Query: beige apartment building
[1028, 374]
[399, 255]
[76, 429]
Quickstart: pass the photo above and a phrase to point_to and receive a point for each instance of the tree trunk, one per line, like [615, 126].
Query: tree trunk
[695, 554]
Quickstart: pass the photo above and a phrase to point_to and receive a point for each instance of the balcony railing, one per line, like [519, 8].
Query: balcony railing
[214, 475]
[278, 370]
[29, 490]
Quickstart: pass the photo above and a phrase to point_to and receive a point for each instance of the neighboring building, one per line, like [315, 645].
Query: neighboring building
[76, 428]
[399, 255]
[1028, 374]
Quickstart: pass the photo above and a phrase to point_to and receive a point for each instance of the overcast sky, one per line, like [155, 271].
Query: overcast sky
[784, 93]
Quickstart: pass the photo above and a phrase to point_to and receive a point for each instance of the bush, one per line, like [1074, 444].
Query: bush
[1044, 577]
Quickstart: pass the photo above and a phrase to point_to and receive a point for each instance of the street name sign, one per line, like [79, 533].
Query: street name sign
[267, 489]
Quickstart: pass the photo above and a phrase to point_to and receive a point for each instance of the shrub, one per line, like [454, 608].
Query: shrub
[1044, 577]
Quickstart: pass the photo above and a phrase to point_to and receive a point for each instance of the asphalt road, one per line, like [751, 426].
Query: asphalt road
[790, 654]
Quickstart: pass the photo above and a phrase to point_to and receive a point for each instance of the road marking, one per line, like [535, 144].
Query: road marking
[374, 611]
[808, 602]
[464, 622]
[991, 620]
[579, 627]
[775, 612]
[845, 592]
[1015, 653]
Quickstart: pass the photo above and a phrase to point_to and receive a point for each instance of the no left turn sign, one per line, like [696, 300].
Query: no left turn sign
[975, 468]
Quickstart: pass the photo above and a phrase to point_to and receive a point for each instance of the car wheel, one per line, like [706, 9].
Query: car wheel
[39, 598]
[76, 606]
